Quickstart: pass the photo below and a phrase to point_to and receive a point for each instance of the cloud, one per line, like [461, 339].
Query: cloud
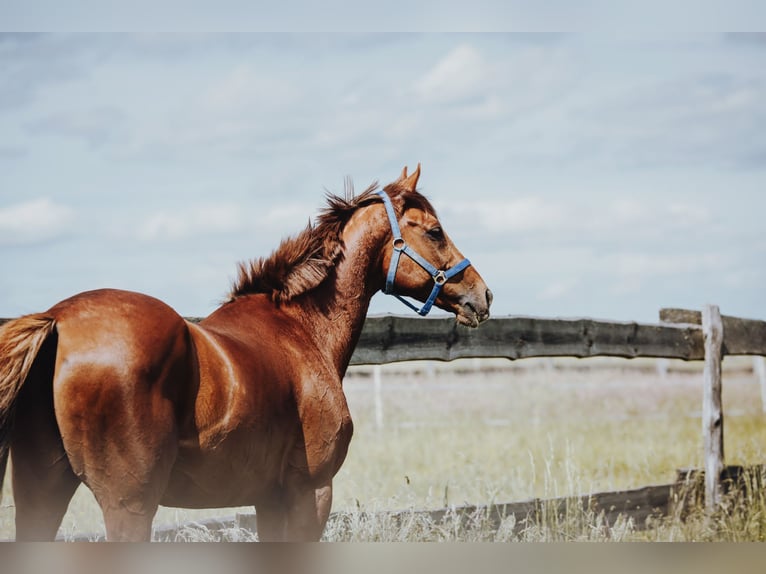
[245, 89]
[460, 75]
[569, 103]
[714, 118]
[94, 126]
[11, 152]
[580, 217]
[240, 109]
[746, 38]
[633, 272]
[198, 220]
[34, 222]
[656, 265]
[559, 289]
[285, 218]
[658, 214]
[517, 215]
[34, 63]
[496, 83]
[221, 219]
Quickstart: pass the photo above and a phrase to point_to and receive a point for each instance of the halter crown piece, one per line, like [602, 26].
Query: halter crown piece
[439, 276]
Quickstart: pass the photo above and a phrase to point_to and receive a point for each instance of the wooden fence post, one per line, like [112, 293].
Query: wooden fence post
[759, 369]
[712, 412]
[377, 380]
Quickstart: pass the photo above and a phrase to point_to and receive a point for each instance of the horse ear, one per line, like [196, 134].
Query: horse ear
[404, 174]
[410, 182]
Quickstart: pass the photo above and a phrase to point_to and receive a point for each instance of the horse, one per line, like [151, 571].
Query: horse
[116, 390]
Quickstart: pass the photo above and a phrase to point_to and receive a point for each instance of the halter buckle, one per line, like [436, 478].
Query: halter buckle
[440, 278]
[399, 243]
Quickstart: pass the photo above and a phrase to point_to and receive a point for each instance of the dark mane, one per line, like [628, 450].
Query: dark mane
[303, 261]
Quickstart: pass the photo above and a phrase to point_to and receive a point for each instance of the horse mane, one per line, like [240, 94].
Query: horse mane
[303, 261]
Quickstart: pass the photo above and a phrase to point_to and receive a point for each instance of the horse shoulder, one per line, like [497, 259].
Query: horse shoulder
[326, 424]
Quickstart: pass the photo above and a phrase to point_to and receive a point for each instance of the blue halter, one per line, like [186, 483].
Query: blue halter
[439, 276]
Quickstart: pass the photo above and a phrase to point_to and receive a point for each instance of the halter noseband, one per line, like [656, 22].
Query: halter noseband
[439, 276]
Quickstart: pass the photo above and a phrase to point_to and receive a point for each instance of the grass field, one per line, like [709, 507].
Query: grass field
[477, 432]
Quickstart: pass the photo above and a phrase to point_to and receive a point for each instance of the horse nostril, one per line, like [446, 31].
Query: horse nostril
[489, 297]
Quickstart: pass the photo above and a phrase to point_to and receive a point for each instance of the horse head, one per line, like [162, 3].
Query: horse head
[422, 262]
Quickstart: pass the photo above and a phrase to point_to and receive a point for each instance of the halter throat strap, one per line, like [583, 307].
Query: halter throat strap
[400, 246]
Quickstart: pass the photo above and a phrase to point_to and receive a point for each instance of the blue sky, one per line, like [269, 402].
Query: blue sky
[583, 174]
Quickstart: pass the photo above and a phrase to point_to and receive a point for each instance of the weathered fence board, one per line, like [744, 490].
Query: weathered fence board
[637, 505]
[741, 336]
[389, 339]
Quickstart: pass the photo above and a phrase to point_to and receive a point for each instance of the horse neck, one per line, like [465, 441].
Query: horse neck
[336, 310]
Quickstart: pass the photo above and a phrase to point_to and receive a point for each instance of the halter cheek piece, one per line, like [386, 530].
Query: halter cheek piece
[439, 276]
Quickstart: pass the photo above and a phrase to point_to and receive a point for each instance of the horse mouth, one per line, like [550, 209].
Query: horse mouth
[469, 316]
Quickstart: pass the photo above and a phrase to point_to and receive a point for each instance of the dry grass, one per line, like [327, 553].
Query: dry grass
[535, 431]
[742, 518]
[489, 432]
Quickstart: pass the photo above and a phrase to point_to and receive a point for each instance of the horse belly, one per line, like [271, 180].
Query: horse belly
[227, 475]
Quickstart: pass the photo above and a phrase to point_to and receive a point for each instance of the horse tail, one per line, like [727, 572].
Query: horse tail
[20, 342]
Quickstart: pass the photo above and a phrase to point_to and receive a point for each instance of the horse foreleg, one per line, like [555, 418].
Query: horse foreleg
[124, 524]
[323, 497]
[308, 513]
[299, 518]
[271, 520]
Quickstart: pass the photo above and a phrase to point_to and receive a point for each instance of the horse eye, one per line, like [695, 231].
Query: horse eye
[436, 233]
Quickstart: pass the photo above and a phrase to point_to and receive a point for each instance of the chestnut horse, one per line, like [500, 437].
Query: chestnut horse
[115, 390]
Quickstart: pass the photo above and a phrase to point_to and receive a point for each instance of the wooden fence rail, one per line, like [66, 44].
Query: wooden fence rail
[679, 335]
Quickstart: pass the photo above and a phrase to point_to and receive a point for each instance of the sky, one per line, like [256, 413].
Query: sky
[584, 175]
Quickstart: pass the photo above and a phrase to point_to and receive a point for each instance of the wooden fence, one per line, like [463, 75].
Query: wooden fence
[680, 334]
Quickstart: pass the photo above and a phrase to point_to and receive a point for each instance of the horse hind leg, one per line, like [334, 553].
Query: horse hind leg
[43, 479]
[41, 493]
[130, 490]
[127, 471]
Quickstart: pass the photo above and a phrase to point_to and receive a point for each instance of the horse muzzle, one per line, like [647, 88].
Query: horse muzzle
[474, 309]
